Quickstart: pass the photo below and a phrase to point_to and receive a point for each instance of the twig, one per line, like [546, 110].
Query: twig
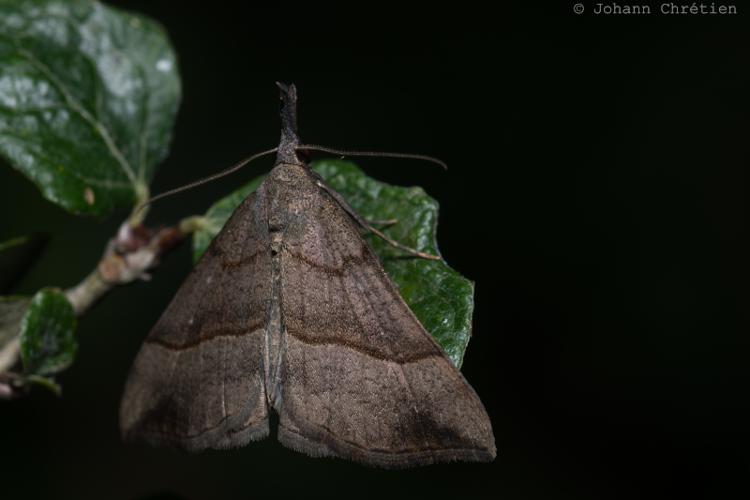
[9, 354]
[128, 257]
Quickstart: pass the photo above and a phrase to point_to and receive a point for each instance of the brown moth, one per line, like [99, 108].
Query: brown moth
[289, 309]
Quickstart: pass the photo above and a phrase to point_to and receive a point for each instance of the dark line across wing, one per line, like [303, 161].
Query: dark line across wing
[252, 328]
[231, 264]
[346, 263]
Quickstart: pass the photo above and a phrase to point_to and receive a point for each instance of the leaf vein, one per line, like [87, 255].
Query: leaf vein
[77, 107]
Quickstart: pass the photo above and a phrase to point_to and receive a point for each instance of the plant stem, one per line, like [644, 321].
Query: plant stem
[83, 295]
[129, 256]
[9, 354]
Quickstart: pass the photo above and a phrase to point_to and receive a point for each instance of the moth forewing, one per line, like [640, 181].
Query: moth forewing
[290, 309]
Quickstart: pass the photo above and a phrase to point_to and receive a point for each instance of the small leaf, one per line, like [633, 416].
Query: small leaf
[88, 97]
[13, 242]
[46, 382]
[440, 297]
[48, 343]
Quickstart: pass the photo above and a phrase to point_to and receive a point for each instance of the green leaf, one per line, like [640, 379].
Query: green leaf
[440, 297]
[48, 343]
[46, 382]
[88, 97]
[12, 243]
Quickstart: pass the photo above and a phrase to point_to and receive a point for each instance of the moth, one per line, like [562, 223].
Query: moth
[289, 310]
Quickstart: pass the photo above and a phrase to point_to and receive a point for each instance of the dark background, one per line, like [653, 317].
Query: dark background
[596, 194]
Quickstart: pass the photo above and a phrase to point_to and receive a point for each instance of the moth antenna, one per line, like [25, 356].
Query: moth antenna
[408, 156]
[205, 180]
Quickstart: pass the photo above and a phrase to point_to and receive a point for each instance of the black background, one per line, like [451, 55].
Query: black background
[596, 194]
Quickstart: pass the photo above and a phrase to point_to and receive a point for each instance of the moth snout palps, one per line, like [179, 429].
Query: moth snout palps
[289, 309]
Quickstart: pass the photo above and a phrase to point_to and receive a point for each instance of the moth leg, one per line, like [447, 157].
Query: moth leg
[383, 223]
[340, 200]
[396, 244]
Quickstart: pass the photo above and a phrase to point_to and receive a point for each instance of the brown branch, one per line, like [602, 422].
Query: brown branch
[128, 257]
